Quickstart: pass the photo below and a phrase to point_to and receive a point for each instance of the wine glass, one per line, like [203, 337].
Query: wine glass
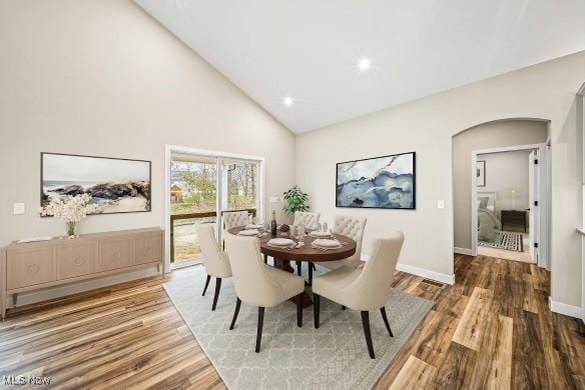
[301, 231]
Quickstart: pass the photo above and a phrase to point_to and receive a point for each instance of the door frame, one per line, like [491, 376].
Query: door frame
[542, 197]
[169, 150]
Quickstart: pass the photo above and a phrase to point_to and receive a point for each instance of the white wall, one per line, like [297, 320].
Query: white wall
[101, 77]
[485, 136]
[545, 91]
[507, 176]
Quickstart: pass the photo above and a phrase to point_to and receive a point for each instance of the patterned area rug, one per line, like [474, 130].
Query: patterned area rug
[506, 240]
[331, 357]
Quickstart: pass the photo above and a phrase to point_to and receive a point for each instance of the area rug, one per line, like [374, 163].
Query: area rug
[331, 357]
[506, 240]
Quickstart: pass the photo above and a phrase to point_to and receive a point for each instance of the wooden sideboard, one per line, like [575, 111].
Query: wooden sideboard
[37, 265]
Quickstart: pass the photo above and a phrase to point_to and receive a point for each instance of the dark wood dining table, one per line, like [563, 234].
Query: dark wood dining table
[307, 253]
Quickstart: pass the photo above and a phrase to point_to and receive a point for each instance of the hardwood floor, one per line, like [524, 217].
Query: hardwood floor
[492, 329]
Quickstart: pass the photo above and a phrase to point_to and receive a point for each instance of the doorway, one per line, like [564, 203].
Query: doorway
[201, 186]
[510, 203]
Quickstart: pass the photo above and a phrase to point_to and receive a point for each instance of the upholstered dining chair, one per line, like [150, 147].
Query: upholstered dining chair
[352, 227]
[233, 219]
[216, 262]
[363, 289]
[259, 284]
[309, 220]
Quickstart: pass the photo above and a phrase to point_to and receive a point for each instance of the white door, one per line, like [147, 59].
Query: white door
[534, 208]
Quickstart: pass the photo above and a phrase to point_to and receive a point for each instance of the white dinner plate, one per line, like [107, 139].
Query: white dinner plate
[249, 232]
[254, 226]
[324, 243]
[281, 242]
[318, 234]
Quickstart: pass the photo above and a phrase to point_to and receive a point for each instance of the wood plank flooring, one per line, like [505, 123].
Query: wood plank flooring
[491, 330]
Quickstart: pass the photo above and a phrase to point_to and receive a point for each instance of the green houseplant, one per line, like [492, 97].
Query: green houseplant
[295, 200]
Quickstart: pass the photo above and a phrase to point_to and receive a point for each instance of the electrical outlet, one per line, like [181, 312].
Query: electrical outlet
[18, 208]
[440, 204]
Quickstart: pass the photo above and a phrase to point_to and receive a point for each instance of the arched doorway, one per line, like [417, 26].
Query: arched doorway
[500, 138]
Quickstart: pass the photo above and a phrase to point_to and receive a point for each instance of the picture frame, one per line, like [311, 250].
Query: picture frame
[480, 174]
[117, 185]
[385, 182]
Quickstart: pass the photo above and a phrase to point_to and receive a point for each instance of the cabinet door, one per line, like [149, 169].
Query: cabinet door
[28, 267]
[147, 248]
[115, 253]
[77, 259]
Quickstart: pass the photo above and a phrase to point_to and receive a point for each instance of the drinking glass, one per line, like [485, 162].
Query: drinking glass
[301, 231]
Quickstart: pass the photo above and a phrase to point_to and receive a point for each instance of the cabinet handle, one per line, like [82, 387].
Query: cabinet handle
[78, 261]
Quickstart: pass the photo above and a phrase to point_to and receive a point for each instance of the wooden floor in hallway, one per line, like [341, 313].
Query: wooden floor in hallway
[492, 329]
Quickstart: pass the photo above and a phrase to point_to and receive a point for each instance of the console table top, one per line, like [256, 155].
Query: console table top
[83, 237]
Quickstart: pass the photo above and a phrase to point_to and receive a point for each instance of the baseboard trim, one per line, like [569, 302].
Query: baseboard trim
[463, 251]
[563, 308]
[425, 273]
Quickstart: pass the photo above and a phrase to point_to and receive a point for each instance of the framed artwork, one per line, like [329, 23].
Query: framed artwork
[116, 185]
[387, 182]
[480, 174]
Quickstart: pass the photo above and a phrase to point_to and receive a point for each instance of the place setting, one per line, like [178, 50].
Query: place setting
[253, 229]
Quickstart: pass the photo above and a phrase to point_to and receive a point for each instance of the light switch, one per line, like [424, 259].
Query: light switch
[18, 208]
[440, 204]
[275, 199]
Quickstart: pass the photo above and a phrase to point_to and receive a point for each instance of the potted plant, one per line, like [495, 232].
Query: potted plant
[296, 200]
[70, 209]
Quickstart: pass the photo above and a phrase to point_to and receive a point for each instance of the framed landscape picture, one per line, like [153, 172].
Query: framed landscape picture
[387, 182]
[115, 185]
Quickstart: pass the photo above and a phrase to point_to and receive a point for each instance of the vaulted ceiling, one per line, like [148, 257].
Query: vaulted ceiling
[310, 50]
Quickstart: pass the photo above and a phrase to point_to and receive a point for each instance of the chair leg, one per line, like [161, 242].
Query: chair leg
[316, 308]
[265, 259]
[385, 318]
[310, 275]
[217, 288]
[299, 268]
[206, 284]
[300, 310]
[236, 312]
[259, 331]
[312, 265]
[367, 333]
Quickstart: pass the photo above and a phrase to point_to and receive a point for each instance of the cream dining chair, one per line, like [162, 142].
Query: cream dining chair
[233, 219]
[352, 227]
[309, 220]
[216, 262]
[259, 284]
[363, 289]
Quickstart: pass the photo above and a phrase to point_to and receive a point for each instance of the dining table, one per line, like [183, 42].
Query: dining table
[283, 256]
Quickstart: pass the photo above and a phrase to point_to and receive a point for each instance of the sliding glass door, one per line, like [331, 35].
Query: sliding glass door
[239, 187]
[202, 188]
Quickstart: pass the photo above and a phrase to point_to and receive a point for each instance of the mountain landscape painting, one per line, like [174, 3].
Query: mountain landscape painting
[115, 185]
[383, 182]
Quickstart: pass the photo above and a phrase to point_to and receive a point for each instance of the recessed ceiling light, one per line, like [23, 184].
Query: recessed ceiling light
[288, 101]
[364, 64]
